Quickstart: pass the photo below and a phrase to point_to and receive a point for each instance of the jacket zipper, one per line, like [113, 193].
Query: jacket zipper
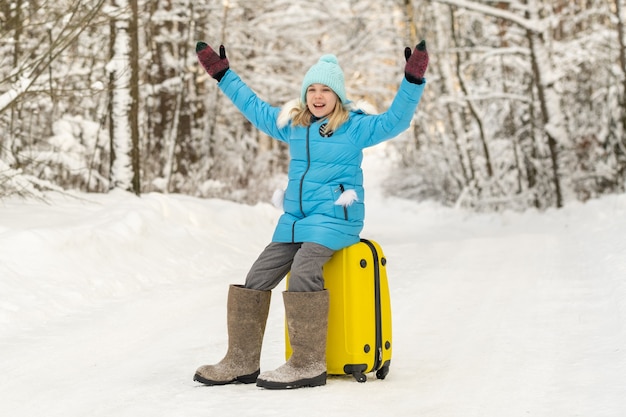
[308, 166]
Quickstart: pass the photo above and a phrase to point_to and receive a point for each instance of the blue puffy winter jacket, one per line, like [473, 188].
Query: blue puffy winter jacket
[322, 168]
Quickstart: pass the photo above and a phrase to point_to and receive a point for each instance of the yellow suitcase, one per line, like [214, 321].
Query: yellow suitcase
[359, 320]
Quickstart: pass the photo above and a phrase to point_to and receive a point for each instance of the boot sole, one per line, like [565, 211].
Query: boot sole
[301, 383]
[243, 379]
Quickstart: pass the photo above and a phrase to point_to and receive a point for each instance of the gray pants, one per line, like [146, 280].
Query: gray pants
[304, 260]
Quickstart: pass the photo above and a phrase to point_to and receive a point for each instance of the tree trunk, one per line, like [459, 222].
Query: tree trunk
[537, 54]
[470, 104]
[134, 98]
[122, 175]
[622, 61]
[458, 130]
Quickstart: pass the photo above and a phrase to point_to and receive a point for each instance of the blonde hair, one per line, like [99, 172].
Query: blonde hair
[302, 116]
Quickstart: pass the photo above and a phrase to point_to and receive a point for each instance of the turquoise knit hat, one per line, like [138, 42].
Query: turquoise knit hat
[328, 72]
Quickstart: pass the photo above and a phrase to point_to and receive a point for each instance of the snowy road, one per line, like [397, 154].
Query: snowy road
[107, 309]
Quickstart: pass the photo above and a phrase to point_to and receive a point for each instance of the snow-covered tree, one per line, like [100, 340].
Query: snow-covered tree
[42, 77]
[123, 117]
[508, 110]
[524, 105]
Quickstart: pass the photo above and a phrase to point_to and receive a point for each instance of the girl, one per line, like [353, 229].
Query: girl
[323, 212]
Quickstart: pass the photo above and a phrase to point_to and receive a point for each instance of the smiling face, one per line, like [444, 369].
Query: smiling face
[320, 99]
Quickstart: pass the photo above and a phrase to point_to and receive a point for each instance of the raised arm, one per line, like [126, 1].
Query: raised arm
[375, 129]
[260, 113]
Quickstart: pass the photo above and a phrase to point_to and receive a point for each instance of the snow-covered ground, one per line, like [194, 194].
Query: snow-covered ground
[108, 304]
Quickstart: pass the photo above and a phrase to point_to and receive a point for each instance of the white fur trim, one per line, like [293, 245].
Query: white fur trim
[347, 198]
[284, 117]
[278, 198]
[362, 106]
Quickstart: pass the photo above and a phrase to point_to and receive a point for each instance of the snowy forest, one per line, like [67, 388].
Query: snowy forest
[524, 105]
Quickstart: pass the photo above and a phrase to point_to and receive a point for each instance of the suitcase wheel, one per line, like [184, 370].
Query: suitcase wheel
[382, 372]
[359, 376]
[357, 371]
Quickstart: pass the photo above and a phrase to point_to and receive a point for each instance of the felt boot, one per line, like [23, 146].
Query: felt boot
[246, 318]
[307, 324]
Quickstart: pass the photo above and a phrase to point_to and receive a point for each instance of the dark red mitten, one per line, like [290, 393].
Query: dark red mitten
[214, 64]
[416, 63]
